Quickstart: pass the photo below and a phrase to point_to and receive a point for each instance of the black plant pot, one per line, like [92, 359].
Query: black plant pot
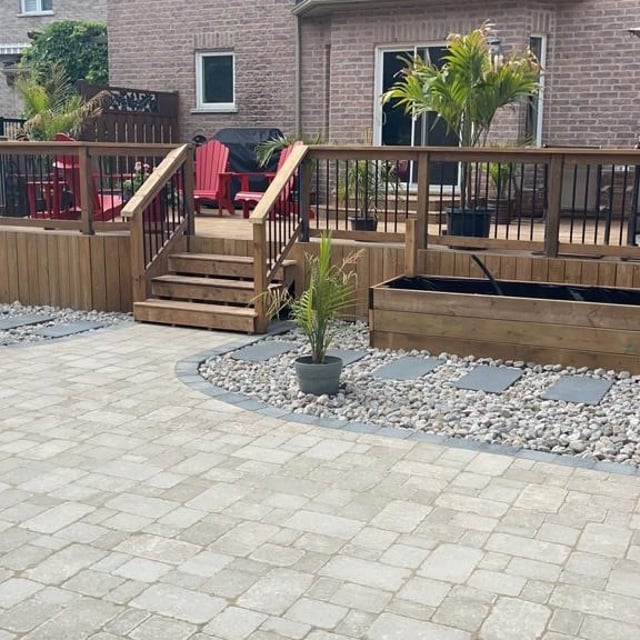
[473, 223]
[364, 224]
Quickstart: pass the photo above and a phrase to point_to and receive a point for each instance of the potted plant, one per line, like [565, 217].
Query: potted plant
[503, 180]
[330, 291]
[474, 82]
[362, 186]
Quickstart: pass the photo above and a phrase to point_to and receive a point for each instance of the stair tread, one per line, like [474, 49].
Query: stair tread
[209, 282]
[181, 305]
[212, 257]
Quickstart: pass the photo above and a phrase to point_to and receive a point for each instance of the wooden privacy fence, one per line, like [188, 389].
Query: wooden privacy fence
[133, 115]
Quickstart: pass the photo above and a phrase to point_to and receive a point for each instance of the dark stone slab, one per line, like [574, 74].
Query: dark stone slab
[349, 356]
[22, 321]
[263, 351]
[407, 368]
[68, 329]
[578, 389]
[489, 379]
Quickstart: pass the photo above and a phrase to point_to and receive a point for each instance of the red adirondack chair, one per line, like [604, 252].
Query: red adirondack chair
[66, 172]
[250, 199]
[211, 161]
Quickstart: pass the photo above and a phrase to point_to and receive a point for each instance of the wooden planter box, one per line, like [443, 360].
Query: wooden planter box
[591, 334]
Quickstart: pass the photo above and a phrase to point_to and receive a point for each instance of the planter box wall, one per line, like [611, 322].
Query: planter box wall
[534, 330]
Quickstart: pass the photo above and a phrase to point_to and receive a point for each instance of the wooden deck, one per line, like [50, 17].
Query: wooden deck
[209, 224]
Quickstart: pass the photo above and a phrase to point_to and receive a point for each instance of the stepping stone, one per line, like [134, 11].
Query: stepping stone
[407, 368]
[349, 356]
[578, 389]
[68, 329]
[489, 379]
[263, 351]
[22, 321]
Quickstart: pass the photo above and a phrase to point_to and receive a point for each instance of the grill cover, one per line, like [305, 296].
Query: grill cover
[242, 155]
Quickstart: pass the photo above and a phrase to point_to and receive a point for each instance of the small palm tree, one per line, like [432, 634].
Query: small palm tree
[468, 90]
[52, 105]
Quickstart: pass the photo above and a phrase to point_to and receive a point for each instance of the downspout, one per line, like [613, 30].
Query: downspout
[298, 78]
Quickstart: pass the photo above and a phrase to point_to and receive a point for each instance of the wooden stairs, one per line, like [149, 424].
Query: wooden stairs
[208, 291]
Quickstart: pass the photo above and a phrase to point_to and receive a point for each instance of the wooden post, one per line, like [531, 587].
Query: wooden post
[423, 200]
[554, 199]
[260, 275]
[86, 190]
[189, 186]
[136, 238]
[306, 176]
[411, 249]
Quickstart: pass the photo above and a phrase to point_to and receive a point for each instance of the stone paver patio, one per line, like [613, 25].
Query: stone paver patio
[132, 506]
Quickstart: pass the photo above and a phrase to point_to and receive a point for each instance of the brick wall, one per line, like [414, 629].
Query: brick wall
[592, 79]
[595, 74]
[261, 34]
[14, 28]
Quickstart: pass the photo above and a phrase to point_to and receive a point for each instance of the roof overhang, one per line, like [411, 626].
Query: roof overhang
[324, 7]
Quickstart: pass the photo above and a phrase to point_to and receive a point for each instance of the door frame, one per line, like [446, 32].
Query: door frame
[377, 104]
[377, 80]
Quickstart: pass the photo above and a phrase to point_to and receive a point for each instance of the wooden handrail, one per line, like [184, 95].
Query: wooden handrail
[263, 272]
[271, 195]
[134, 210]
[96, 149]
[476, 154]
[156, 181]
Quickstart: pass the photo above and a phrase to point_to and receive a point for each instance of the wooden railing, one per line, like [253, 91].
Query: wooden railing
[71, 185]
[278, 220]
[549, 201]
[159, 214]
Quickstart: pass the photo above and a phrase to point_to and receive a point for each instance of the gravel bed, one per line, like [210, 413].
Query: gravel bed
[27, 333]
[518, 417]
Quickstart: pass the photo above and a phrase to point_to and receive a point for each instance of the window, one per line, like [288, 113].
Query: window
[37, 6]
[215, 81]
[533, 127]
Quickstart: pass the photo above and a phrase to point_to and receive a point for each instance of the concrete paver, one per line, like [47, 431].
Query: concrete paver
[133, 506]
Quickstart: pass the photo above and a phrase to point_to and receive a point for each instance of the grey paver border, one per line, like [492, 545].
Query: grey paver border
[187, 372]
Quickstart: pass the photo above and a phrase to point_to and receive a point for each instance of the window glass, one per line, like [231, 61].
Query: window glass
[36, 6]
[215, 80]
[217, 74]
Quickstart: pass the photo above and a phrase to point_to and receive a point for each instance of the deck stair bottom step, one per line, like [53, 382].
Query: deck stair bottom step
[196, 314]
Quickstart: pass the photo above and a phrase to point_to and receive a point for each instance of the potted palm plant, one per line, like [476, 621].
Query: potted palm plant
[362, 186]
[472, 85]
[330, 291]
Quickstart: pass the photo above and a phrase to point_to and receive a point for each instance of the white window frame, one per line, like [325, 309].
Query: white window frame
[37, 12]
[540, 96]
[219, 107]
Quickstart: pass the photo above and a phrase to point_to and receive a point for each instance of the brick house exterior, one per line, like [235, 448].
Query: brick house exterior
[317, 65]
[17, 19]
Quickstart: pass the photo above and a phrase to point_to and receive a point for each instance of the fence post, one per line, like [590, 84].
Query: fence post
[86, 190]
[260, 275]
[411, 249]
[552, 223]
[136, 240]
[306, 176]
[422, 215]
[189, 186]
